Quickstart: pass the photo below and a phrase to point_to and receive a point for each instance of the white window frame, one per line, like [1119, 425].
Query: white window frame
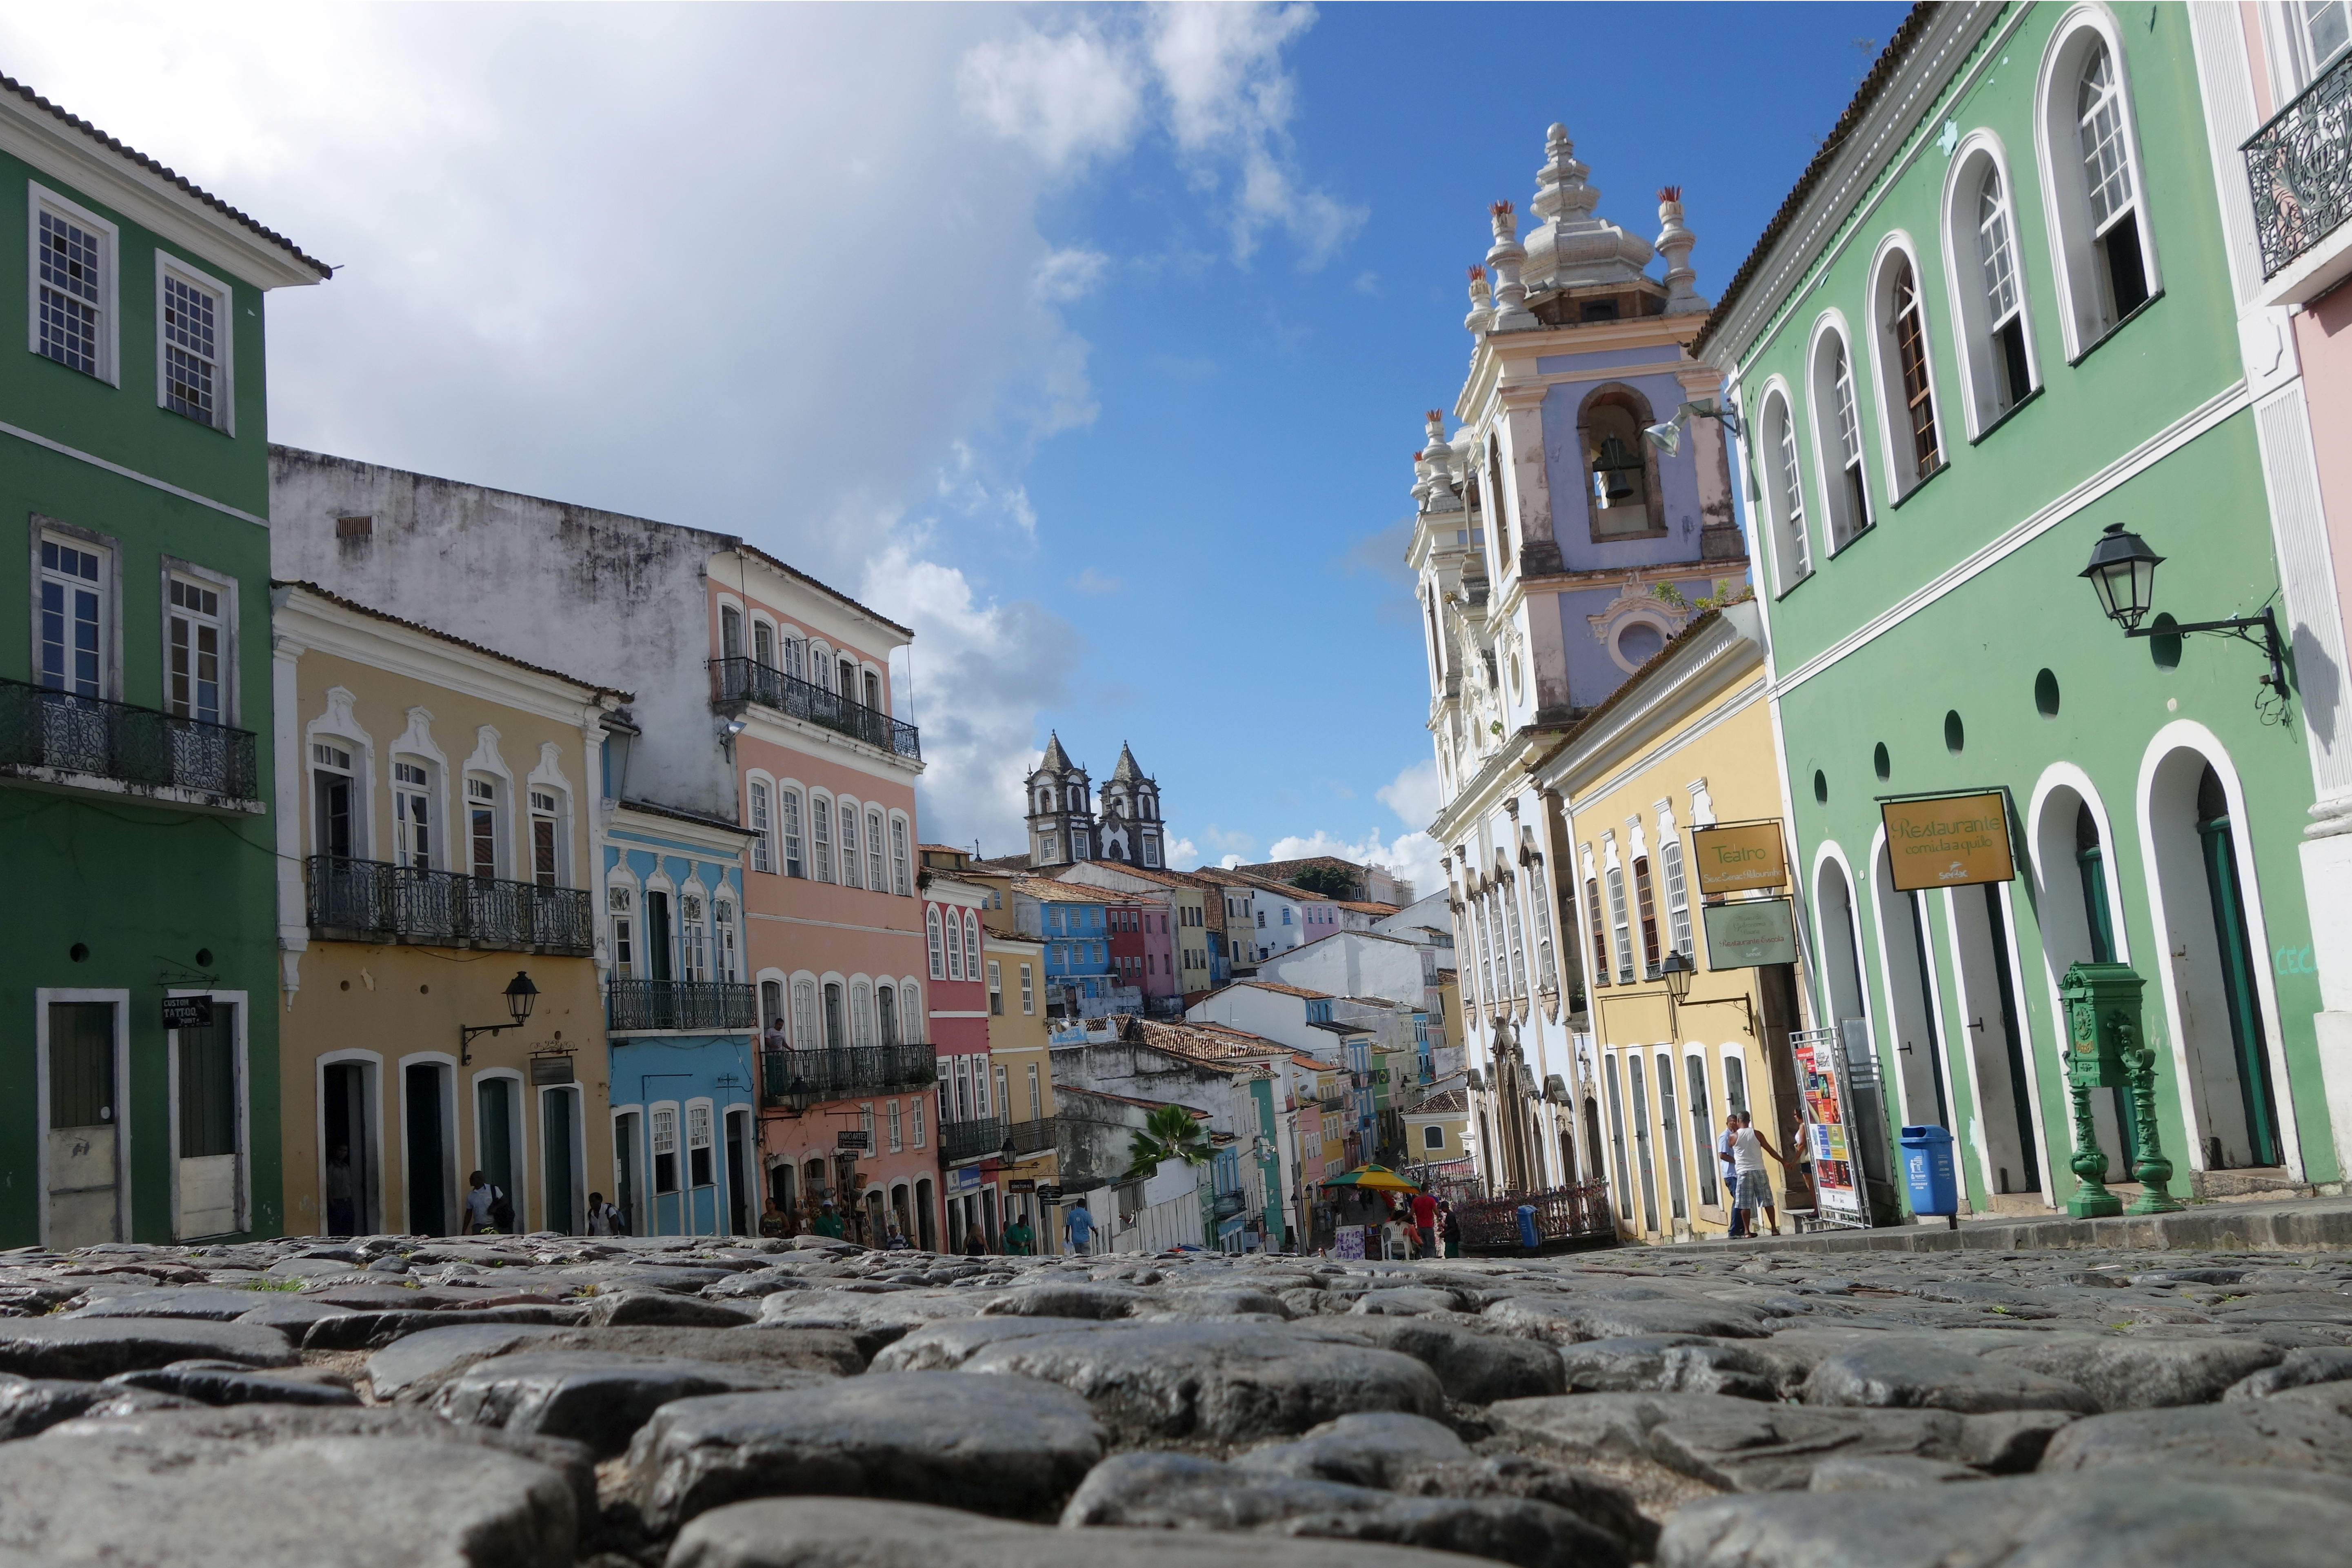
[821, 815]
[700, 1121]
[901, 883]
[790, 826]
[403, 791]
[109, 600]
[664, 1115]
[1028, 991]
[502, 857]
[935, 932]
[759, 797]
[1964, 269]
[874, 871]
[620, 916]
[224, 587]
[110, 309]
[1895, 438]
[1784, 493]
[726, 952]
[225, 332]
[2065, 199]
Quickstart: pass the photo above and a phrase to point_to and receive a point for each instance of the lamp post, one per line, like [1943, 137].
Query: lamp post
[2123, 573]
[1667, 436]
[520, 995]
[1676, 971]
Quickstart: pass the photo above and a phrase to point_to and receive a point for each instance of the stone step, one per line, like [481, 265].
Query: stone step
[2253, 1183]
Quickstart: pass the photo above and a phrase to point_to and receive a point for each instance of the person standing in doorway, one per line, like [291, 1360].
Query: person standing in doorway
[1748, 1149]
[1079, 1224]
[1740, 1224]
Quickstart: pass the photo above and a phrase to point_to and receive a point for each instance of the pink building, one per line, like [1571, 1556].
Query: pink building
[971, 1098]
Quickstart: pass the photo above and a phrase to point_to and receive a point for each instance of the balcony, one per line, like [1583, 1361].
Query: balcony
[738, 680]
[961, 1141]
[370, 901]
[2299, 172]
[55, 737]
[842, 1073]
[679, 1007]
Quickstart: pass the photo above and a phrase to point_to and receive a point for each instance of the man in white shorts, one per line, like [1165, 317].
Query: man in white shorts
[1755, 1189]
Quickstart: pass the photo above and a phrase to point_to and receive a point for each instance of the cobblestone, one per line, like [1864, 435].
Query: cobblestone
[624, 1404]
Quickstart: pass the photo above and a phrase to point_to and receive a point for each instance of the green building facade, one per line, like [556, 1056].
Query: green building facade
[1994, 318]
[138, 1033]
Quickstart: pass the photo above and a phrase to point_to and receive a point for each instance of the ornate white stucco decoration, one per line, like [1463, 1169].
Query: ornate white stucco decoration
[1482, 303]
[1439, 458]
[1573, 247]
[1503, 259]
[1674, 243]
[1633, 603]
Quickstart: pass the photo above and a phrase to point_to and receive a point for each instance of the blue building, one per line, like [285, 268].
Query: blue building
[681, 1023]
[1069, 919]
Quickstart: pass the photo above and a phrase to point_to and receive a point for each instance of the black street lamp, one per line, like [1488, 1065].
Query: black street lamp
[2123, 573]
[520, 995]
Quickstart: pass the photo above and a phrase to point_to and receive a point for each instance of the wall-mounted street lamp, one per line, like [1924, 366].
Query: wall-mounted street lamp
[1676, 969]
[1668, 435]
[520, 995]
[2123, 573]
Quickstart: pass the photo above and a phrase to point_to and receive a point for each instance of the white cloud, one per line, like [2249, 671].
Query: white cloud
[1412, 794]
[1183, 853]
[1093, 581]
[1413, 857]
[1229, 861]
[1068, 100]
[1069, 274]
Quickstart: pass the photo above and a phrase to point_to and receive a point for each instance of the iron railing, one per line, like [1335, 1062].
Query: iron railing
[40, 728]
[714, 1004]
[991, 1135]
[845, 1071]
[378, 902]
[746, 680]
[1575, 1213]
[2299, 169]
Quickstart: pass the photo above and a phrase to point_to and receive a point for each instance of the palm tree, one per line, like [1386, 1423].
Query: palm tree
[1169, 1132]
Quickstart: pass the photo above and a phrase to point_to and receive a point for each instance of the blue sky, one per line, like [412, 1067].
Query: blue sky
[1089, 343]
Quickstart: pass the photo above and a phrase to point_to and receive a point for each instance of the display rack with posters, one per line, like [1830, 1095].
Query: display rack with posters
[1829, 1118]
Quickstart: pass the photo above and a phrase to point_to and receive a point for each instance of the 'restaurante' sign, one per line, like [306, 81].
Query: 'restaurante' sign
[1738, 860]
[1950, 841]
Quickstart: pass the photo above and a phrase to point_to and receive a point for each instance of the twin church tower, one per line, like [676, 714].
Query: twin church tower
[1064, 828]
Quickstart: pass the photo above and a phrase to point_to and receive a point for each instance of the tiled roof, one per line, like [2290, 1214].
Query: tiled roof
[180, 181]
[1287, 990]
[435, 632]
[1453, 1102]
[1368, 907]
[1204, 1043]
[1048, 892]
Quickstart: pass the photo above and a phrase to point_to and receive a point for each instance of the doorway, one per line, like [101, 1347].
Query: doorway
[1639, 1082]
[1671, 1134]
[209, 1124]
[628, 1185]
[927, 1230]
[1991, 1023]
[1902, 956]
[432, 1176]
[559, 1143]
[347, 1131]
[497, 1136]
[83, 1174]
[739, 1173]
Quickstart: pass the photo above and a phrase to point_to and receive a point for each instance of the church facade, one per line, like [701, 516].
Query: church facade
[1064, 828]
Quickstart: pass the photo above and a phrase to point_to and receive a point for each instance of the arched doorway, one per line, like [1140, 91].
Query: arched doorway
[1593, 1140]
[1994, 1026]
[1911, 994]
[2075, 906]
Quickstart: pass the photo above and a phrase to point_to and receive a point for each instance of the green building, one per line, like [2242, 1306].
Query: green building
[1994, 318]
[138, 1016]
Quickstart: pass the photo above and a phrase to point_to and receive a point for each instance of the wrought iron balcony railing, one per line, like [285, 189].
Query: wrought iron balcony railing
[746, 680]
[679, 1005]
[991, 1135]
[40, 728]
[2299, 169]
[383, 902]
[844, 1072]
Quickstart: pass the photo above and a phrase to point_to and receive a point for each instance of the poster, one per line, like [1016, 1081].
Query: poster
[1348, 1241]
[1837, 1196]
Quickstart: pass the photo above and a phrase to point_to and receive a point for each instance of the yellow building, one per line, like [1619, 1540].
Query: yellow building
[1018, 1052]
[436, 843]
[1686, 745]
[1433, 1132]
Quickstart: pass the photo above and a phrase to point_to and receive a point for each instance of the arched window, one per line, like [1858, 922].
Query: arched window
[874, 850]
[1621, 468]
[1784, 496]
[938, 948]
[1078, 798]
[763, 645]
[1987, 290]
[795, 658]
[820, 836]
[2092, 183]
[789, 809]
[850, 875]
[804, 1032]
[861, 1015]
[955, 946]
[971, 945]
[1906, 389]
[722, 925]
[1837, 437]
[885, 1009]
[1670, 863]
[731, 633]
[763, 850]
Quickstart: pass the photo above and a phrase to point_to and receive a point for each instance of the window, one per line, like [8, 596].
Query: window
[1048, 849]
[731, 633]
[896, 1144]
[861, 1015]
[938, 945]
[795, 658]
[544, 838]
[1837, 419]
[848, 687]
[1702, 1126]
[771, 1004]
[624, 958]
[1035, 1105]
[412, 820]
[1735, 1085]
[917, 1107]
[193, 345]
[971, 945]
[873, 691]
[763, 853]
[886, 1009]
[995, 989]
[689, 917]
[2003, 300]
[1670, 862]
[331, 798]
[76, 638]
[1151, 849]
[1618, 926]
[1432, 1136]
[482, 825]
[2099, 225]
[763, 645]
[804, 1035]
[1286, 914]
[899, 881]
[874, 850]
[722, 917]
[698, 1160]
[789, 804]
[665, 1150]
[1784, 500]
[193, 634]
[74, 289]
[1903, 334]
[837, 1023]
[820, 836]
[1028, 991]
[2320, 30]
[849, 877]
[1079, 848]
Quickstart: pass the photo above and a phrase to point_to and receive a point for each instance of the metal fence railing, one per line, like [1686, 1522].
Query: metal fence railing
[719, 1006]
[44, 729]
[1562, 1214]
[374, 899]
[746, 680]
[2299, 169]
[844, 1071]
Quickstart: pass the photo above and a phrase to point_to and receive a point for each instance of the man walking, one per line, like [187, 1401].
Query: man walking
[1740, 1224]
[1080, 1224]
[1424, 1226]
[1748, 1149]
[829, 1220]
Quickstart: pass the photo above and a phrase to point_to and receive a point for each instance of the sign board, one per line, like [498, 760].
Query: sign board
[1951, 841]
[853, 1138]
[1821, 1082]
[547, 1070]
[1021, 1184]
[1739, 860]
[1750, 932]
[187, 1011]
[1348, 1242]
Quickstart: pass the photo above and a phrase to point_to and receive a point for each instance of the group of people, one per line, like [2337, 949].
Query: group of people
[1430, 1226]
[1742, 1151]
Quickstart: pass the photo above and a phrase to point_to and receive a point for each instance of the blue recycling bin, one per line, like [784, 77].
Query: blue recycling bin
[1927, 1171]
[1528, 1236]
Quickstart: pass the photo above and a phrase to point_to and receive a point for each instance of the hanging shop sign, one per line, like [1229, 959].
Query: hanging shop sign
[1750, 933]
[848, 1138]
[1949, 840]
[1021, 1184]
[187, 1011]
[1740, 858]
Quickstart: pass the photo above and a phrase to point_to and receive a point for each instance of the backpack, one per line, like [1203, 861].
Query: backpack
[501, 1210]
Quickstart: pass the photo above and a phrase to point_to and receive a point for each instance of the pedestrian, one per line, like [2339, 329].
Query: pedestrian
[774, 1040]
[828, 1220]
[487, 1208]
[603, 1218]
[1748, 1149]
[975, 1242]
[1424, 1226]
[342, 1214]
[1019, 1240]
[896, 1242]
[1079, 1224]
[1453, 1225]
[1740, 1224]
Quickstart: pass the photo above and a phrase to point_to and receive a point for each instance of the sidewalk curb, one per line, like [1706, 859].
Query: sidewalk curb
[2308, 1224]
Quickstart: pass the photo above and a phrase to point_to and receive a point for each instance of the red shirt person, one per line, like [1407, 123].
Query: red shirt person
[1424, 1220]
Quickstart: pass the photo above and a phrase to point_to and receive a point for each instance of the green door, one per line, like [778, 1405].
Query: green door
[494, 1112]
[2219, 844]
[82, 1173]
[559, 1139]
[209, 1175]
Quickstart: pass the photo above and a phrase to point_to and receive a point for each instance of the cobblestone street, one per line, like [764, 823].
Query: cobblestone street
[548, 1401]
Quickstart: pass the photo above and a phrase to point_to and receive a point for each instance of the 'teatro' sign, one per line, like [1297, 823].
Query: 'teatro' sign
[1738, 860]
[1950, 841]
